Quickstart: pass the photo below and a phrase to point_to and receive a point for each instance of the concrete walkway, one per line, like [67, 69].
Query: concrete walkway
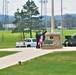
[25, 54]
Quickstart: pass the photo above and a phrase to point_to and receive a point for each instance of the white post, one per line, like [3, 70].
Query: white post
[52, 16]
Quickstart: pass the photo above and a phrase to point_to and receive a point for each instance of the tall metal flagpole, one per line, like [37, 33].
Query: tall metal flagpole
[52, 16]
[62, 19]
[53, 35]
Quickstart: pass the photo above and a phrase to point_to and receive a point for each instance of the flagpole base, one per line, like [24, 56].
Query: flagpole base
[52, 41]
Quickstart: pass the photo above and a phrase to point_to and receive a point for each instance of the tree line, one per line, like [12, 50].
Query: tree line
[68, 22]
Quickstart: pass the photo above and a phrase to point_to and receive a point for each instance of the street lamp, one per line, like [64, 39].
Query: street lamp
[52, 16]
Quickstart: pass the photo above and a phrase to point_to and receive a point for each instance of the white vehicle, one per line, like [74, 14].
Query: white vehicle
[28, 42]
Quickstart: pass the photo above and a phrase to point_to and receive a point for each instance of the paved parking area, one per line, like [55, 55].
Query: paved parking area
[25, 54]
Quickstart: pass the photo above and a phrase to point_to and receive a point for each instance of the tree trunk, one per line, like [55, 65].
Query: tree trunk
[23, 35]
[30, 33]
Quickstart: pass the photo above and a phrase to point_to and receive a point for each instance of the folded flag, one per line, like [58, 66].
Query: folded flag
[40, 40]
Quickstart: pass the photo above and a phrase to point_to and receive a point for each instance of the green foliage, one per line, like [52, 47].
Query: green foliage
[58, 63]
[26, 18]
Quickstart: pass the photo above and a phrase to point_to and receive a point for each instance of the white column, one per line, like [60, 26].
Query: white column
[52, 16]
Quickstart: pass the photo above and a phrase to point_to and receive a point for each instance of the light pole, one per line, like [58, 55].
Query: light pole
[3, 13]
[52, 16]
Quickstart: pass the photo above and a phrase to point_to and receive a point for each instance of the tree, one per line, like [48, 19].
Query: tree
[74, 22]
[20, 22]
[27, 17]
[69, 21]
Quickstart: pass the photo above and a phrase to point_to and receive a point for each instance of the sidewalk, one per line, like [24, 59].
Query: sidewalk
[25, 54]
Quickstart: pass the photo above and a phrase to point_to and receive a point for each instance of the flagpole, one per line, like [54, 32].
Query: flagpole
[52, 16]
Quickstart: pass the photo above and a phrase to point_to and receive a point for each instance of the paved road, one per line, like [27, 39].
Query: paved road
[25, 54]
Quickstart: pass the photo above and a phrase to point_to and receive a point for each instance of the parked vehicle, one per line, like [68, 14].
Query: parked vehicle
[70, 40]
[28, 42]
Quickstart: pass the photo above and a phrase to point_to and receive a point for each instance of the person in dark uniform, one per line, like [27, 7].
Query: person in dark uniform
[37, 38]
[44, 35]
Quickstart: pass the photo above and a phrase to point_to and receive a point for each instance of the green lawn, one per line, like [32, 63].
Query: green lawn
[58, 63]
[5, 53]
[8, 39]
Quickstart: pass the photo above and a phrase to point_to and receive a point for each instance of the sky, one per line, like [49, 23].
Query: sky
[69, 6]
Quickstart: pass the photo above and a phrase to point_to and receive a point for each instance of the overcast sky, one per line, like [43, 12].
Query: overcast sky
[69, 6]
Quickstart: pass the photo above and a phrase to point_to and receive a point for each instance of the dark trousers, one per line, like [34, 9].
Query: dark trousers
[37, 45]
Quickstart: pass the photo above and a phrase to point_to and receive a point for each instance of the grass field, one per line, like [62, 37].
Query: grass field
[58, 63]
[8, 40]
[5, 53]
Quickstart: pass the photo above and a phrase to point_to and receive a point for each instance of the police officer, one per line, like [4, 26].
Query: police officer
[37, 38]
[44, 35]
